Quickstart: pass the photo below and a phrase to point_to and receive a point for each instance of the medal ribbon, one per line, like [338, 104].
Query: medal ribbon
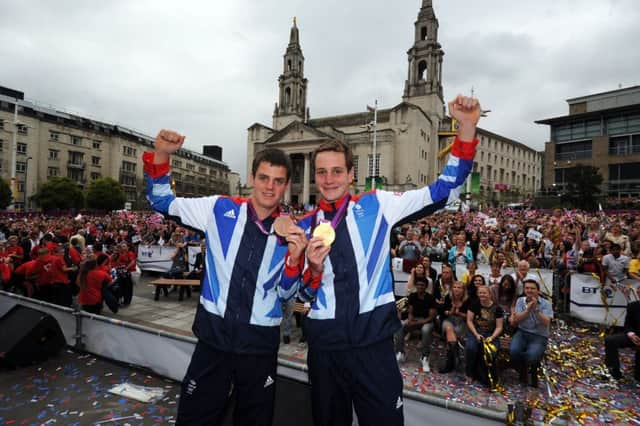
[254, 217]
[342, 210]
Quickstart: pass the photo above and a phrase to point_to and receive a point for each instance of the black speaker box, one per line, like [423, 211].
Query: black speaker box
[29, 336]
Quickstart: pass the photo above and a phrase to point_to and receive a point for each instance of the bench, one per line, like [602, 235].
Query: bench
[174, 281]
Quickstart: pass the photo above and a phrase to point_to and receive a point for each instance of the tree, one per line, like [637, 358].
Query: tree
[105, 194]
[5, 194]
[583, 185]
[60, 193]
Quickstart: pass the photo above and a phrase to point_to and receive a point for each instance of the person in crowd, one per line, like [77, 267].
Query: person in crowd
[521, 273]
[504, 294]
[454, 323]
[410, 248]
[472, 268]
[495, 274]
[62, 291]
[634, 263]
[532, 316]
[91, 281]
[428, 269]
[629, 338]
[437, 249]
[617, 237]
[484, 322]
[124, 262]
[353, 312]
[179, 267]
[418, 273]
[14, 251]
[485, 250]
[460, 253]
[443, 284]
[615, 265]
[422, 313]
[475, 282]
[238, 318]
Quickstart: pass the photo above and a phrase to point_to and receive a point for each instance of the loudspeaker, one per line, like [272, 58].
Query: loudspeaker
[29, 336]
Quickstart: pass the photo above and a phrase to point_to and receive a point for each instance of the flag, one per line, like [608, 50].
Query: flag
[370, 108]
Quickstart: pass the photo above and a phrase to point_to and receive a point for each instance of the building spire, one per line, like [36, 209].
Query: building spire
[292, 99]
[294, 37]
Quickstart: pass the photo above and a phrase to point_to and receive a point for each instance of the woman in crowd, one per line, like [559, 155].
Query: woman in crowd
[484, 321]
[460, 253]
[418, 273]
[495, 274]
[504, 294]
[454, 323]
[475, 282]
[91, 280]
[443, 284]
[617, 237]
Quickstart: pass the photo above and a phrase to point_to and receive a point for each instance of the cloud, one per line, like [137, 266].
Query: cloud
[209, 69]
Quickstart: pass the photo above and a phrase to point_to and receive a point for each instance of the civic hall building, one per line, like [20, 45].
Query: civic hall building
[409, 135]
[51, 143]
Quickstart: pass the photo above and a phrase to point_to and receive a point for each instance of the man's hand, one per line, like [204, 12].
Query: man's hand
[316, 253]
[297, 243]
[167, 142]
[466, 111]
[635, 339]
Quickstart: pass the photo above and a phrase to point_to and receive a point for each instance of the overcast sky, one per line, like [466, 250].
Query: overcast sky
[209, 68]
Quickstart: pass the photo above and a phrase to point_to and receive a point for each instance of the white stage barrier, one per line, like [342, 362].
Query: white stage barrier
[165, 353]
[158, 258]
[604, 304]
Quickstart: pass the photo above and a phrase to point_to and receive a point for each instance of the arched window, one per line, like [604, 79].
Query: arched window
[422, 70]
[423, 33]
[289, 65]
[287, 96]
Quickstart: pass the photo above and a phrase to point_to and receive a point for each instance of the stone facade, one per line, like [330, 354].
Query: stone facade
[51, 143]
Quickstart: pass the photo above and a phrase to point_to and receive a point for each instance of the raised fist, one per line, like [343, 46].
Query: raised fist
[168, 142]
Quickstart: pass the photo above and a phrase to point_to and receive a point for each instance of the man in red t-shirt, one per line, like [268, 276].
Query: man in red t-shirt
[25, 278]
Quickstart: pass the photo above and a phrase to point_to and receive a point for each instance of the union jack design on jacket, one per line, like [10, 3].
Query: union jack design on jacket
[352, 303]
[243, 284]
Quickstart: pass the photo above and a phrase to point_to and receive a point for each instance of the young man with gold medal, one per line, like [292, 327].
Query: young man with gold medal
[347, 279]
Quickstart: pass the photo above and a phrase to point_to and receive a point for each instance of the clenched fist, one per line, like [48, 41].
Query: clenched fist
[167, 142]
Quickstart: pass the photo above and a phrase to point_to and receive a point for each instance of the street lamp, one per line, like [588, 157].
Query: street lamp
[374, 124]
[24, 190]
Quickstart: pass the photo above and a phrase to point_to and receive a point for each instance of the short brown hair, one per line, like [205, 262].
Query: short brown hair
[334, 146]
[273, 156]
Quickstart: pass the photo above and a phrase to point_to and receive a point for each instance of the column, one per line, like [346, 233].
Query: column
[306, 178]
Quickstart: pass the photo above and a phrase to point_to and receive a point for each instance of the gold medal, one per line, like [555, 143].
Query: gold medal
[281, 225]
[326, 232]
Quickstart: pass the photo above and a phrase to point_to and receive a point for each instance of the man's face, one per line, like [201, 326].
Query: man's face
[523, 268]
[332, 177]
[269, 185]
[615, 251]
[531, 290]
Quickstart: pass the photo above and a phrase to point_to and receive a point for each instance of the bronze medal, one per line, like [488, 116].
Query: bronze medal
[281, 225]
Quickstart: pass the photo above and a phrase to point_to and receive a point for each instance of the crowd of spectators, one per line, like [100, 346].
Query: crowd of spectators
[57, 258]
[476, 310]
[90, 257]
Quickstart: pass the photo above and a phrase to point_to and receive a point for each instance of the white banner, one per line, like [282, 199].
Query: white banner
[158, 258]
[603, 304]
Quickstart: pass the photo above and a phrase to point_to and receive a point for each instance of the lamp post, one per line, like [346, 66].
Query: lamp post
[374, 124]
[24, 190]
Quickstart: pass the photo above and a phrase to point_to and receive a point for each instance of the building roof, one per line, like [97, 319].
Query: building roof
[587, 115]
[42, 111]
[609, 92]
